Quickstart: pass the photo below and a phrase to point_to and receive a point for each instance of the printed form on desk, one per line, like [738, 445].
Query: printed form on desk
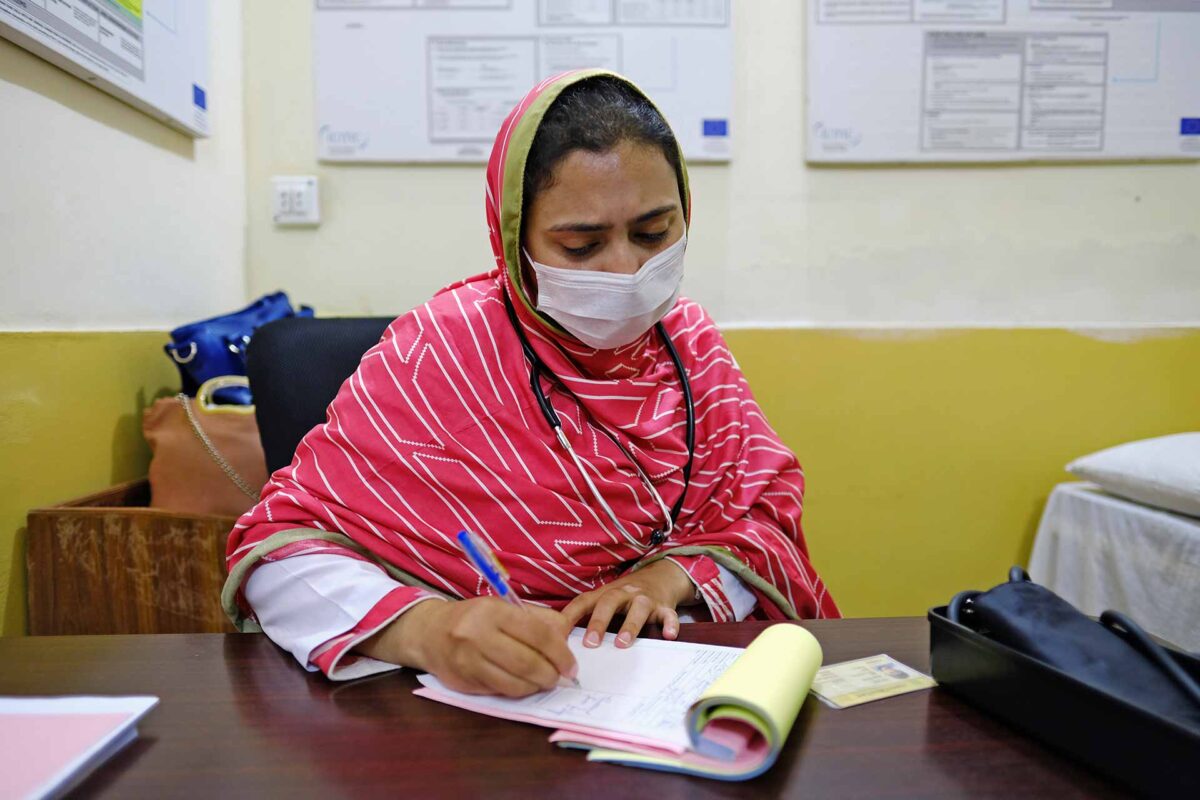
[642, 692]
[700, 709]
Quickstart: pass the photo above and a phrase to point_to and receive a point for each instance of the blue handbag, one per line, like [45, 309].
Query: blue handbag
[215, 347]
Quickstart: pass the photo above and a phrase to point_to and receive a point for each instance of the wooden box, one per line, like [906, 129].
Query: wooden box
[106, 563]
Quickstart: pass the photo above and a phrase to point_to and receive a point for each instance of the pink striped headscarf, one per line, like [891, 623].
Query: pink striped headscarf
[438, 430]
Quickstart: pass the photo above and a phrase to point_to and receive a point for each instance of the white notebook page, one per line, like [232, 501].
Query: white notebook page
[644, 690]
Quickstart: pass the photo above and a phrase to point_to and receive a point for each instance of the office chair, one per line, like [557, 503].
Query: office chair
[296, 367]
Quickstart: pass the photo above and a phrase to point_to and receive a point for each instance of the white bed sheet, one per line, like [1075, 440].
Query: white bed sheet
[1099, 552]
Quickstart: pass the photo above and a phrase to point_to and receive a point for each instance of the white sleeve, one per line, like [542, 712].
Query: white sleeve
[304, 601]
[741, 599]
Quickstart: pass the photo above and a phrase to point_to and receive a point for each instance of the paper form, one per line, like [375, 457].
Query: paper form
[432, 80]
[580, 51]
[739, 724]
[431, 4]
[891, 11]
[575, 12]
[474, 82]
[719, 712]
[643, 691]
[989, 80]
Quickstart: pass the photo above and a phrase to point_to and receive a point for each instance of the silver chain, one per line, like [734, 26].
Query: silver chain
[229, 471]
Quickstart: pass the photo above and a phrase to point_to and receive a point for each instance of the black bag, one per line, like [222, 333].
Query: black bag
[1113, 654]
[1102, 690]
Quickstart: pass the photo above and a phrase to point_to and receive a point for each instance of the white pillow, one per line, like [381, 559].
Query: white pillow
[1162, 472]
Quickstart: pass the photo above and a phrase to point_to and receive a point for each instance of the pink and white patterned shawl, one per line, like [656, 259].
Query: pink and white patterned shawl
[438, 430]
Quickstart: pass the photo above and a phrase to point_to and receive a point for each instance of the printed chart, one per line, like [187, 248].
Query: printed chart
[431, 80]
[1002, 80]
[152, 54]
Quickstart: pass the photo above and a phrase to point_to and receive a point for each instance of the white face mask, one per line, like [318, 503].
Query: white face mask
[606, 310]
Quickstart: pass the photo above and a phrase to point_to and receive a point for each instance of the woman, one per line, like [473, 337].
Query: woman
[619, 467]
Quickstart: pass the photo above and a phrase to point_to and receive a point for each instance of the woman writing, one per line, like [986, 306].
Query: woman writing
[568, 407]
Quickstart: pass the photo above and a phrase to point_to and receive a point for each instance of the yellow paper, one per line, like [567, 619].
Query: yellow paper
[764, 688]
[771, 679]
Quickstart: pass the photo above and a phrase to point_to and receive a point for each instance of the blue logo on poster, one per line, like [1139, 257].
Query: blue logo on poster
[716, 127]
[199, 97]
[1189, 126]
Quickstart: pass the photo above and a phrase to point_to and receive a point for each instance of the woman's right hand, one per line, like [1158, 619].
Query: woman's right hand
[479, 646]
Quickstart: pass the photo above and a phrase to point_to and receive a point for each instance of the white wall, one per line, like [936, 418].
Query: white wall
[773, 241]
[109, 219]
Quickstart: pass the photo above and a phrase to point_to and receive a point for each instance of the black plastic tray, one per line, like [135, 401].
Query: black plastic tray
[1150, 754]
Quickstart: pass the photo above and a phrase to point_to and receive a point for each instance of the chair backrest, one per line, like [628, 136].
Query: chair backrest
[296, 367]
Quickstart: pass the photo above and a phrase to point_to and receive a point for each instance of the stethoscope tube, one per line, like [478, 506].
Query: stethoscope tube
[537, 368]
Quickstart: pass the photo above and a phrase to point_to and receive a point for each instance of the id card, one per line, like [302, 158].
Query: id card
[852, 683]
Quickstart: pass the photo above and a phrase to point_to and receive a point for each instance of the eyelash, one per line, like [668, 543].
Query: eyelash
[649, 238]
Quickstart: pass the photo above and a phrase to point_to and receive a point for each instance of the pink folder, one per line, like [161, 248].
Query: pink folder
[49, 744]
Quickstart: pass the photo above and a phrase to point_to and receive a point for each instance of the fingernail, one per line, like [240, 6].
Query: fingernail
[623, 640]
[573, 672]
[591, 639]
[672, 631]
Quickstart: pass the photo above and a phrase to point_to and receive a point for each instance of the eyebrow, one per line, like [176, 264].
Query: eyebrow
[592, 227]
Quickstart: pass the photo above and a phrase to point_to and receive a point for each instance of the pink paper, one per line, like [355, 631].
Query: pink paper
[743, 761]
[36, 750]
[626, 739]
[733, 736]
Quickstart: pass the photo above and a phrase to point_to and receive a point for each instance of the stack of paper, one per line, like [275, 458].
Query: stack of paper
[720, 712]
[49, 744]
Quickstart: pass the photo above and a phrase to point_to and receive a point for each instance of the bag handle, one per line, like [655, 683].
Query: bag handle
[203, 397]
[1121, 625]
[960, 606]
[1137, 638]
[1134, 635]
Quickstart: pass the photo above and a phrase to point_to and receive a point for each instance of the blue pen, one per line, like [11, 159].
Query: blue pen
[486, 563]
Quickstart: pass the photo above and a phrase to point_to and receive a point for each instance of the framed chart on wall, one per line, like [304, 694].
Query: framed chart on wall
[431, 80]
[1002, 80]
[152, 54]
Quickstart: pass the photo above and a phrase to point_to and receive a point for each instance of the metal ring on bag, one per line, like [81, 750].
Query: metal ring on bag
[960, 606]
[175, 355]
[238, 350]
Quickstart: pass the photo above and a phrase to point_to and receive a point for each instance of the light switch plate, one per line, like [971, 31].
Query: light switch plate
[295, 200]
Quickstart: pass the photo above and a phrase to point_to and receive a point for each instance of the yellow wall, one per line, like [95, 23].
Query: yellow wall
[70, 424]
[928, 455]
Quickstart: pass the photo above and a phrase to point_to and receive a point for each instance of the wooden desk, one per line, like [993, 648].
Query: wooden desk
[239, 718]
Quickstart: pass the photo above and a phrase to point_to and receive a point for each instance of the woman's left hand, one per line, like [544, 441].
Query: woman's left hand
[649, 595]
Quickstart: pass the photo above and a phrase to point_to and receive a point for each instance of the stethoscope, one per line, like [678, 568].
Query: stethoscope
[538, 368]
